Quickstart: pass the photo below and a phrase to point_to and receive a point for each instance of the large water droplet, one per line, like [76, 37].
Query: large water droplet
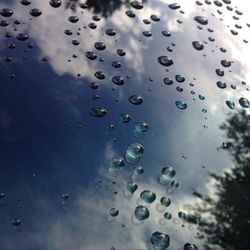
[141, 127]
[22, 36]
[180, 78]
[25, 2]
[137, 5]
[135, 99]
[98, 112]
[160, 241]
[201, 20]
[165, 60]
[230, 104]
[121, 52]
[166, 33]
[99, 75]
[134, 151]
[118, 80]
[168, 81]
[6, 12]
[141, 213]
[100, 46]
[244, 102]
[91, 55]
[35, 12]
[181, 105]
[110, 32]
[147, 33]
[116, 64]
[73, 19]
[219, 72]
[155, 18]
[130, 13]
[148, 196]
[197, 45]
[55, 3]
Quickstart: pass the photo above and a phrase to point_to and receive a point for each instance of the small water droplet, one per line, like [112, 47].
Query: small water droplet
[121, 52]
[165, 201]
[174, 6]
[55, 3]
[98, 112]
[225, 63]
[160, 241]
[137, 5]
[25, 2]
[22, 36]
[219, 72]
[100, 46]
[116, 64]
[201, 20]
[221, 85]
[148, 196]
[180, 78]
[132, 187]
[125, 118]
[91, 55]
[73, 19]
[198, 45]
[35, 12]
[110, 32]
[181, 105]
[165, 61]
[115, 165]
[230, 104]
[5, 12]
[130, 13]
[147, 33]
[135, 99]
[113, 212]
[168, 81]
[166, 33]
[244, 102]
[168, 216]
[16, 222]
[118, 80]
[133, 153]
[99, 75]
[189, 246]
[155, 18]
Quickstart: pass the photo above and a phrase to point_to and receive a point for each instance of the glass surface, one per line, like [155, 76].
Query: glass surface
[124, 125]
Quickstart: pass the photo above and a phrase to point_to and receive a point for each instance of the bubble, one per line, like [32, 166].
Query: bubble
[121, 52]
[133, 153]
[165, 61]
[22, 36]
[168, 81]
[147, 33]
[155, 18]
[181, 105]
[132, 187]
[168, 216]
[125, 118]
[230, 104]
[99, 75]
[135, 99]
[225, 63]
[166, 33]
[25, 2]
[55, 3]
[148, 196]
[137, 5]
[221, 85]
[180, 78]
[182, 215]
[197, 45]
[244, 102]
[115, 166]
[92, 26]
[141, 213]
[110, 32]
[73, 19]
[174, 6]
[68, 32]
[118, 80]
[16, 222]
[91, 55]
[130, 13]
[160, 241]
[5, 12]
[113, 212]
[116, 64]
[219, 72]
[201, 20]
[189, 246]
[98, 112]
[100, 46]
[165, 201]
[35, 12]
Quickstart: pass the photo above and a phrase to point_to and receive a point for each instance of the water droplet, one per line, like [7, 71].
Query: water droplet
[65, 196]
[181, 105]
[174, 6]
[225, 63]
[5, 12]
[92, 26]
[16, 222]
[148, 196]
[141, 213]
[137, 5]
[93, 85]
[218, 3]
[198, 45]
[68, 32]
[99, 75]
[91, 55]
[168, 81]
[182, 215]
[230, 104]
[73, 19]
[4, 23]
[22, 36]
[201, 97]
[135, 99]
[116, 64]
[219, 72]
[137, 171]
[244, 102]
[221, 85]
[113, 212]
[180, 78]
[121, 52]
[155, 18]
[132, 187]
[2, 195]
[25, 2]
[141, 127]
[98, 112]
[166, 33]
[100, 46]
[146, 21]
[189, 246]
[35, 12]
[165, 201]
[160, 241]
[147, 33]
[75, 42]
[55, 3]
[134, 152]
[110, 32]
[118, 80]
[168, 216]
[125, 118]
[165, 61]
[115, 166]
[130, 13]
[201, 20]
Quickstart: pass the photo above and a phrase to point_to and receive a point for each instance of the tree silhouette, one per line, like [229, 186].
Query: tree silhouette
[224, 219]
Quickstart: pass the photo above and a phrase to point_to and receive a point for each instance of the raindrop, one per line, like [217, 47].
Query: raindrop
[160, 241]
[5, 12]
[135, 99]
[141, 213]
[115, 166]
[130, 13]
[99, 75]
[98, 112]
[25, 2]
[116, 64]
[125, 118]
[147, 33]
[55, 3]
[137, 5]
[225, 63]
[148, 196]
[230, 104]
[121, 52]
[168, 81]
[201, 20]
[35, 12]
[244, 102]
[221, 85]
[165, 201]
[73, 19]
[165, 61]
[198, 45]
[179, 78]
[219, 72]
[22, 36]
[155, 18]
[189, 246]
[118, 80]
[100, 46]
[181, 105]
[174, 6]
[114, 212]
[110, 32]
[91, 55]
